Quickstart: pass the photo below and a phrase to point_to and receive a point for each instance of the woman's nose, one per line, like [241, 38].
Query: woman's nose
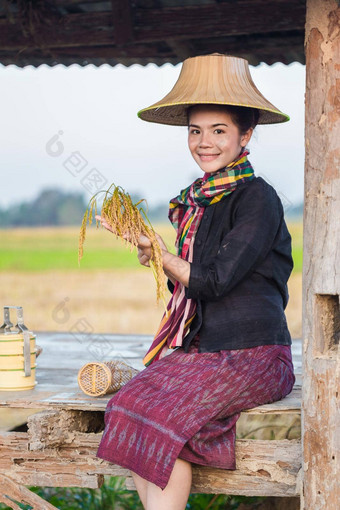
[205, 140]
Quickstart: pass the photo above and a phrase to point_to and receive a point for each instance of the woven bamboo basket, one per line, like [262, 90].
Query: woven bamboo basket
[97, 379]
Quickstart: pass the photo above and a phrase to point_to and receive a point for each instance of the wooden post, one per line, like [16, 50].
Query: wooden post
[321, 272]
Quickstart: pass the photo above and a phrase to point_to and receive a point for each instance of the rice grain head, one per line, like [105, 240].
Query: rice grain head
[126, 218]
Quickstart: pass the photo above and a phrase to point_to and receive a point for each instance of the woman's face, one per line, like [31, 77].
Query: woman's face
[214, 140]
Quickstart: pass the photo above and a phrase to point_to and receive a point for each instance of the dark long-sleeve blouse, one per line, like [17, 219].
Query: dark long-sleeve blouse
[241, 264]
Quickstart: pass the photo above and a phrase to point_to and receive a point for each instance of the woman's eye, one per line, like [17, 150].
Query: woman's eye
[194, 132]
[218, 131]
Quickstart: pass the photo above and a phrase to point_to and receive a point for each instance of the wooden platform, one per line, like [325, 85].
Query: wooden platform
[64, 354]
[60, 445]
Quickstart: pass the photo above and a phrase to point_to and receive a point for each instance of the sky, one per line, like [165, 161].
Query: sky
[76, 128]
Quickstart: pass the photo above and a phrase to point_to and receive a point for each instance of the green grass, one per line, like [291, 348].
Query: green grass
[44, 249]
[63, 259]
[53, 248]
[112, 496]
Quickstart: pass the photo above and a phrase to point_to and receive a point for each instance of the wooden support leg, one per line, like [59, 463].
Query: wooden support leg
[321, 270]
[12, 493]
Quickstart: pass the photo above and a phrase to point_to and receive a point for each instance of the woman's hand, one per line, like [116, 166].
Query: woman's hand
[174, 267]
[144, 244]
[103, 222]
[145, 250]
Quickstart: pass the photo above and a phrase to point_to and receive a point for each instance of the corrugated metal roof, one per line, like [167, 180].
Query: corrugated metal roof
[35, 32]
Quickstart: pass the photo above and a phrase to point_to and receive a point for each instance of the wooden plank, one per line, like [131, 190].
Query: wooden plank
[150, 25]
[263, 467]
[129, 348]
[64, 467]
[57, 387]
[12, 493]
[183, 49]
[321, 270]
[51, 429]
[187, 22]
[290, 404]
[47, 396]
[122, 21]
[268, 48]
[93, 29]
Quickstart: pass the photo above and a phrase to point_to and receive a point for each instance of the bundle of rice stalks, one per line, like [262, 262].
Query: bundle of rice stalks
[129, 219]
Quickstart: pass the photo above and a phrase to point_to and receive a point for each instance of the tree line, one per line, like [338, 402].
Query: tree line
[54, 207]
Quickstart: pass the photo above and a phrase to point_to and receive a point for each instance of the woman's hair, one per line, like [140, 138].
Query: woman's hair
[243, 117]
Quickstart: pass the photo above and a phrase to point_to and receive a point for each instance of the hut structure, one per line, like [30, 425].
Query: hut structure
[34, 32]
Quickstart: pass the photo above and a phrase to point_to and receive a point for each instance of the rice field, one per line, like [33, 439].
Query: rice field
[56, 248]
[39, 271]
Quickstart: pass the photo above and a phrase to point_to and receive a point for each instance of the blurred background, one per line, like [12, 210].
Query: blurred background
[67, 133]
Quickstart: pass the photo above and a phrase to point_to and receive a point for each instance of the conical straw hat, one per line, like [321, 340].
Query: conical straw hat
[211, 79]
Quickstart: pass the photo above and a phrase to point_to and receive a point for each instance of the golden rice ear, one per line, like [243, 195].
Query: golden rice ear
[82, 236]
[124, 216]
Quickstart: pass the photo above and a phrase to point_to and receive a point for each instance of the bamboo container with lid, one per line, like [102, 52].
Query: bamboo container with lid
[18, 352]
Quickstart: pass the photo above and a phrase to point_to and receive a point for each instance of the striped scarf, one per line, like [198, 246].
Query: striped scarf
[185, 214]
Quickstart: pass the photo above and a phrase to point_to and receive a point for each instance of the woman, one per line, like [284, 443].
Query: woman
[229, 284]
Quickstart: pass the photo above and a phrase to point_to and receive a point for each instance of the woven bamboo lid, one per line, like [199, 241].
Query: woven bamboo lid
[211, 79]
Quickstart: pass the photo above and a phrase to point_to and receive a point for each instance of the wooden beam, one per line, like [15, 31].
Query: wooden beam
[321, 268]
[52, 396]
[122, 21]
[36, 58]
[263, 467]
[267, 48]
[93, 29]
[50, 429]
[150, 25]
[181, 49]
[225, 19]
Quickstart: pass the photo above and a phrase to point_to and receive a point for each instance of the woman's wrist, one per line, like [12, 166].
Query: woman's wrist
[176, 268]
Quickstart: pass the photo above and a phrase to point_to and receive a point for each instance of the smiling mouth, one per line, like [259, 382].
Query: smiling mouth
[208, 157]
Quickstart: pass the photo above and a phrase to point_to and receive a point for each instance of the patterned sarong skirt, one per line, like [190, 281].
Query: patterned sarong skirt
[186, 405]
